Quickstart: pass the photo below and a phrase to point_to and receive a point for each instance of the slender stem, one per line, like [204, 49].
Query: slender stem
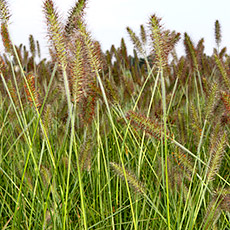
[165, 142]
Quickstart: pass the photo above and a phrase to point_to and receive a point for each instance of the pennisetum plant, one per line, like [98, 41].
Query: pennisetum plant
[163, 42]
[79, 61]
[20, 112]
[82, 99]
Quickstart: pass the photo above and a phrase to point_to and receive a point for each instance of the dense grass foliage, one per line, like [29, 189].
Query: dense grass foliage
[93, 140]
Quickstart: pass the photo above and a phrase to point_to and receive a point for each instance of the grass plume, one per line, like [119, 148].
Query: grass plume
[217, 149]
[151, 127]
[218, 33]
[55, 31]
[132, 180]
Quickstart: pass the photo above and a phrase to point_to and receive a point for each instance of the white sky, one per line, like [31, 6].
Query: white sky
[108, 19]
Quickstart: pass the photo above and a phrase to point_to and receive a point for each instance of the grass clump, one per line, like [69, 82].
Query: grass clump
[71, 124]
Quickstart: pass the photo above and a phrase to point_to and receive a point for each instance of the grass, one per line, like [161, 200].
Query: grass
[93, 140]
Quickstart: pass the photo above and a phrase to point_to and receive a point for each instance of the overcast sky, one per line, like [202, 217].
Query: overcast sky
[108, 19]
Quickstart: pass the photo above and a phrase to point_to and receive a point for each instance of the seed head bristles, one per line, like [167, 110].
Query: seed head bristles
[181, 127]
[32, 93]
[75, 14]
[214, 136]
[38, 49]
[163, 41]
[124, 54]
[32, 45]
[212, 214]
[55, 31]
[136, 41]
[152, 128]
[4, 11]
[45, 175]
[6, 38]
[88, 105]
[190, 51]
[112, 91]
[78, 72]
[217, 33]
[222, 52]
[85, 155]
[143, 35]
[211, 99]
[223, 71]
[225, 202]
[25, 55]
[132, 180]
[2, 65]
[159, 44]
[47, 117]
[90, 48]
[183, 161]
[223, 196]
[172, 38]
[220, 201]
[200, 46]
[196, 123]
[200, 51]
[180, 68]
[85, 63]
[225, 97]
[100, 54]
[217, 149]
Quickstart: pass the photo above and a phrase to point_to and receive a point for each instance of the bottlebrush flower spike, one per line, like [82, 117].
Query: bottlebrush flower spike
[88, 106]
[223, 71]
[136, 41]
[190, 51]
[32, 45]
[85, 156]
[55, 31]
[183, 161]
[31, 92]
[83, 69]
[4, 11]
[163, 41]
[217, 149]
[6, 38]
[75, 14]
[225, 97]
[78, 72]
[217, 33]
[211, 99]
[38, 49]
[152, 128]
[4, 17]
[143, 34]
[159, 44]
[90, 48]
[220, 202]
[200, 51]
[225, 200]
[132, 180]
[2, 65]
